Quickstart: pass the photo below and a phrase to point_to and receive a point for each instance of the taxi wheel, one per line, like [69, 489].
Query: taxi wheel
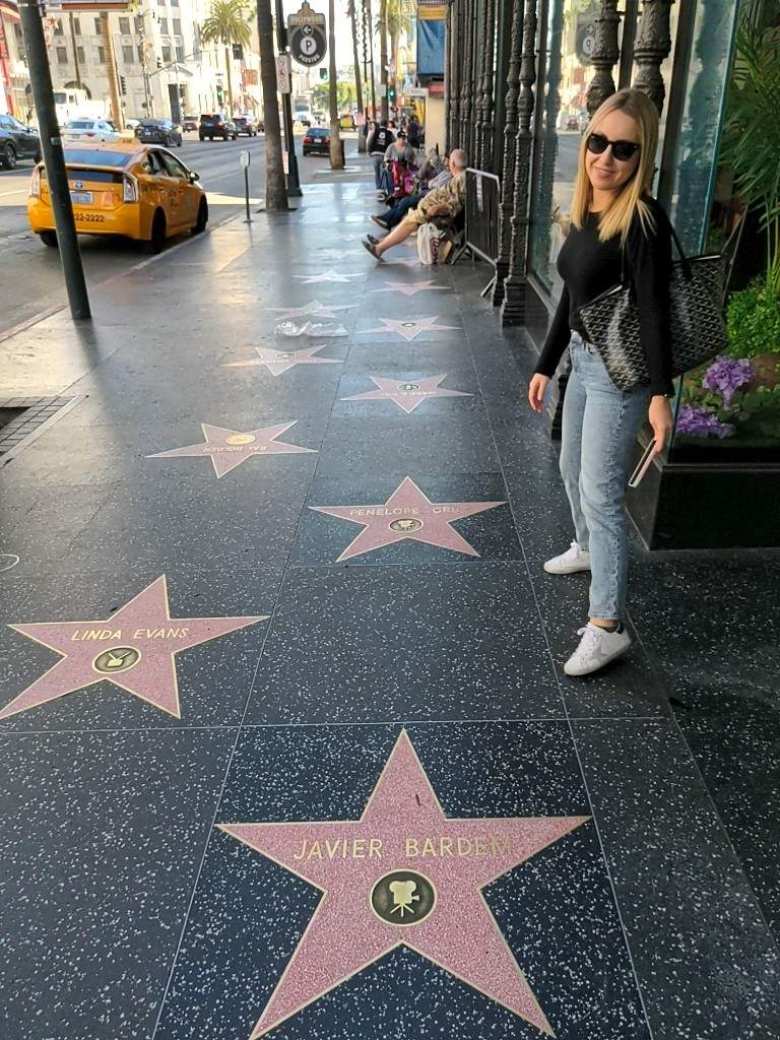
[49, 238]
[157, 241]
[203, 218]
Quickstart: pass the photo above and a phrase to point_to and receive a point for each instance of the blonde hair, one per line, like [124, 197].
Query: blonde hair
[618, 216]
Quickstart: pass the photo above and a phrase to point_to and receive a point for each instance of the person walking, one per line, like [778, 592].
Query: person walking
[613, 217]
[379, 141]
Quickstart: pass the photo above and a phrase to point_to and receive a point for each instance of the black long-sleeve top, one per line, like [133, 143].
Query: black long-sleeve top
[590, 267]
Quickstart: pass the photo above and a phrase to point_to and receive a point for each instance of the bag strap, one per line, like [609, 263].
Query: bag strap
[683, 258]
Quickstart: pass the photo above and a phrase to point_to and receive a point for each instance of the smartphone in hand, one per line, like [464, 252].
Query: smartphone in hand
[643, 465]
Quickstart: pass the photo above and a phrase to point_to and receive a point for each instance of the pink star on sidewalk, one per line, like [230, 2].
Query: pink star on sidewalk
[229, 448]
[410, 329]
[408, 395]
[134, 649]
[403, 875]
[408, 513]
[413, 289]
[279, 361]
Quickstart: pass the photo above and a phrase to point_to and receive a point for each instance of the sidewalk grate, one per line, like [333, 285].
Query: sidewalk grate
[23, 418]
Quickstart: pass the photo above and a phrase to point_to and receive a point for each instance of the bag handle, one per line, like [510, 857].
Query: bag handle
[683, 258]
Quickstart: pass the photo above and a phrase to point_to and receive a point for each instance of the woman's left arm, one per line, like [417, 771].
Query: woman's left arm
[650, 256]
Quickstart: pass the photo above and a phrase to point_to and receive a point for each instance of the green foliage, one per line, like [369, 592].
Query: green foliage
[345, 95]
[227, 23]
[753, 321]
[751, 134]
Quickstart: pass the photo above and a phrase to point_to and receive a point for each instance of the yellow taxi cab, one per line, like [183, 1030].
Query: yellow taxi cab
[138, 191]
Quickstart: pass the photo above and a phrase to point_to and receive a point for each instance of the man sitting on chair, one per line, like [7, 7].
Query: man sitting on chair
[446, 202]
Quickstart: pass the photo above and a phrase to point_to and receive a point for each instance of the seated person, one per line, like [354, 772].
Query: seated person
[402, 178]
[399, 150]
[441, 202]
[398, 210]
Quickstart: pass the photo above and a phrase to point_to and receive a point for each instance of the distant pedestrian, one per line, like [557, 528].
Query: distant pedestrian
[379, 141]
[613, 216]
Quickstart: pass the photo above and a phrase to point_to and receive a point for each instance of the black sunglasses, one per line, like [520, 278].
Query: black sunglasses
[622, 150]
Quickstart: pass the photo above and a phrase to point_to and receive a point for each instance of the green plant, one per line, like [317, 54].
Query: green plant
[753, 321]
[751, 139]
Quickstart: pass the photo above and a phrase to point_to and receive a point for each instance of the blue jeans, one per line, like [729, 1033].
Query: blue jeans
[379, 166]
[398, 210]
[600, 425]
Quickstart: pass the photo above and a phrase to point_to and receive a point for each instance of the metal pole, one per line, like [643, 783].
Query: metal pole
[293, 181]
[246, 193]
[54, 158]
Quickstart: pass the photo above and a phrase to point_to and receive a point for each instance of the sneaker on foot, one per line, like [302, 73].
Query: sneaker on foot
[569, 562]
[597, 648]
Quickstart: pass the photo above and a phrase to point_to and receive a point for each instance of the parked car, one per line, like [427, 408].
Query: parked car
[572, 123]
[245, 125]
[316, 141]
[159, 131]
[189, 123]
[17, 141]
[131, 189]
[212, 126]
[90, 130]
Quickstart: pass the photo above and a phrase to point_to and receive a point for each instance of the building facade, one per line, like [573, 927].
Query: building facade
[523, 78]
[162, 68]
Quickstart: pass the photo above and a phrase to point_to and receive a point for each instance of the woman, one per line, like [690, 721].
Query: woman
[612, 212]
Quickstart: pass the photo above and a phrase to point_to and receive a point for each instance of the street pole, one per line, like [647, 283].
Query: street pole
[54, 158]
[293, 180]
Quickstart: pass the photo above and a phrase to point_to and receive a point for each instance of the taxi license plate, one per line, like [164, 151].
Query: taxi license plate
[81, 198]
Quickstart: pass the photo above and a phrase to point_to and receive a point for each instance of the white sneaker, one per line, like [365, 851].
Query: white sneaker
[569, 562]
[597, 648]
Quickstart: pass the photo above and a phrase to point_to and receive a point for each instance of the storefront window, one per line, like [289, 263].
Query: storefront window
[569, 33]
[729, 410]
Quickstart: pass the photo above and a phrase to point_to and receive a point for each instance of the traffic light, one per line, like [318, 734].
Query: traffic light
[159, 63]
[238, 52]
[323, 73]
[391, 94]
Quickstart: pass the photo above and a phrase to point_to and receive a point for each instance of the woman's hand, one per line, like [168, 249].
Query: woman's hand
[660, 418]
[536, 391]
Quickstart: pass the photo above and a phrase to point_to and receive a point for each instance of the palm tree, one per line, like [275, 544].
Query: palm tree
[352, 12]
[383, 55]
[275, 184]
[398, 21]
[228, 23]
[336, 160]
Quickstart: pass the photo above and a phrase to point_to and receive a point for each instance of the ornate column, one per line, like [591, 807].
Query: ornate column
[465, 72]
[513, 309]
[452, 86]
[486, 141]
[653, 43]
[479, 83]
[510, 150]
[605, 55]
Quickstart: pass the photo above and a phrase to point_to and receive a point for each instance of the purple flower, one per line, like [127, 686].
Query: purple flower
[701, 422]
[726, 375]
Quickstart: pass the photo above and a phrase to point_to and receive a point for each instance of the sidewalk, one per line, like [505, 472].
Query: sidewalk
[366, 697]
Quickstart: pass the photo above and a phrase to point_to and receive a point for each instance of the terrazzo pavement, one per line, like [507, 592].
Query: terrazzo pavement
[129, 914]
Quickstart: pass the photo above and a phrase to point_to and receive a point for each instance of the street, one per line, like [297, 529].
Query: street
[30, 274]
